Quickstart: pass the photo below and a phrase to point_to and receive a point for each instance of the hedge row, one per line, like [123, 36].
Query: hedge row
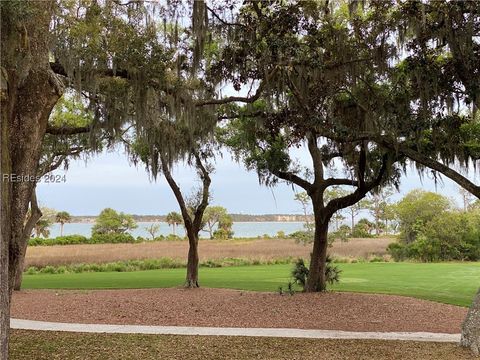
[96, 239]
[150, 264]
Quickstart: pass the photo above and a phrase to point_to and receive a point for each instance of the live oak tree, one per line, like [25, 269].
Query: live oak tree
[111, 52]
[316, 71]
[430, 82]
[158, 159]
[29, 90]
[110, 221]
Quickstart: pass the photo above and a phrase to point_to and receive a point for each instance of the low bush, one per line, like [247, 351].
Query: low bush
[113, 238]
[95, 239]
[150, 264]
[59, 240]
[302, 236]
[300, 272]
[223, 234]
[452, 236]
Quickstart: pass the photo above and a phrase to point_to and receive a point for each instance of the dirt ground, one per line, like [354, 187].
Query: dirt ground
[208, 249]
[233, 308]
[49, 345]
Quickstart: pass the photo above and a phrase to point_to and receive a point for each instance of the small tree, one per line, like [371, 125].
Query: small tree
[111, 222]
[224, 230]
[173, 219]
[416, 209]
[332, 193]
[377, 204]
[153, 230]
[62, 217]
[42, 226]
[216, 216]
[355, 209]
[467, 198]
[363, 228]
[388, 215]
[304, 200]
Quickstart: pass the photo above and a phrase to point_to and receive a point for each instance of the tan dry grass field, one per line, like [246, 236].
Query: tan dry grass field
[262, 249]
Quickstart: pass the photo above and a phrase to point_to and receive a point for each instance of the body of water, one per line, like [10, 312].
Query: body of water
[241, 229]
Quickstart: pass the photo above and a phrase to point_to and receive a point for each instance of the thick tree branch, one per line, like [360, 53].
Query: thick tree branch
[178, 194]
[215, 15]
[424, 160]
[351, 199]
[441, 168]
[67, 130]
[290, 177]
[58, 69]
[244, 99]
[334, 182]
[206, 181]
[316, 155]
[35, 215]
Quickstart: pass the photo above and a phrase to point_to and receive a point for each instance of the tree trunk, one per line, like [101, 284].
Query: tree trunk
[21, 268]
[35, 215]
[28, 124]
[191, 280]
[353, 221]
[316, 280]
[192, 226]
[29, 90]
[471, 327]
[5, 191]
[61, 229]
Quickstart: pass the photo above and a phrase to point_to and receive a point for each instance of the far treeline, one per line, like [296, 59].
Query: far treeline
[235, 218]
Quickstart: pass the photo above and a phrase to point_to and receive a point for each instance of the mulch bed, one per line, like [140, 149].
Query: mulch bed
[233, 308]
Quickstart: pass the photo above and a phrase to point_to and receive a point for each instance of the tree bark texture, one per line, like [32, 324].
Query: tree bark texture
[29, 90]
[471, 327]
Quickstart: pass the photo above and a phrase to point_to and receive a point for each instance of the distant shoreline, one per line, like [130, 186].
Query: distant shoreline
[235, 218]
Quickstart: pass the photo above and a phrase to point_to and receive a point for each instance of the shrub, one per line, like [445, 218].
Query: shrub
[150, 264]
[300, 272]
[362, 229]
[302, 237]
[342, 233]
[79, 239]
[398, 251]
[171, 237]
[59, 240]
[222, 234]
[112, 238]
[451, 236]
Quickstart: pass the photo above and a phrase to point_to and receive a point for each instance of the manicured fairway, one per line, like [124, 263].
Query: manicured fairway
[452, 283]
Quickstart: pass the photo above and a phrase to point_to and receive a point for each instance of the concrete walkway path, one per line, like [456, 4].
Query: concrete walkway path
[220, 331]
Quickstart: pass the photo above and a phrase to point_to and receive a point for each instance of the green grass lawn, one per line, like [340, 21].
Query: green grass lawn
[452, 283]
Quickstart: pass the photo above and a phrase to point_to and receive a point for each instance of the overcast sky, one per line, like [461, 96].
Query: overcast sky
[109, 180]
